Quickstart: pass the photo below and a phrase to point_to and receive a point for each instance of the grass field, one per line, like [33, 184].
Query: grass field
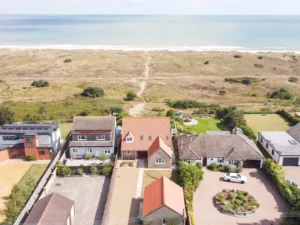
[65, 129]
[203, 125]
[152, 175]
[269, 122]
[13, 173]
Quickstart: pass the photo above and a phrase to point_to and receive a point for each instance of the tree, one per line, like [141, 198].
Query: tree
[170, 112]
[120, 117]
[102, 157]
[41, 110]
[116, 110]
[40, 83]
[6, 115]
[92, 92]
[190, 175]
[84, 113]
[234, 118]
[130, 96]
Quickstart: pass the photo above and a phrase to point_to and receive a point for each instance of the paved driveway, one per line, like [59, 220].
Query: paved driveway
[89, 194]
[271, 204]
[293, 174]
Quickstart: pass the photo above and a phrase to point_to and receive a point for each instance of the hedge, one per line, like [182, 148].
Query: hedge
[288, 117]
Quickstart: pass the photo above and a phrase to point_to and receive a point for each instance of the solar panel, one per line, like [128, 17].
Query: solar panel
[293, 142]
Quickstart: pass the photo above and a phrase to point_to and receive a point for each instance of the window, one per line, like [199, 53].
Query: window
[167, 137]
[272, 152]
[160, 161]
[129, 139]
[211, 159]
[89, 150]
[107, 151]
[101, 137]
[142, 137]
[220, 160]
[190, 161]
[233, 163]
[150, 138]
[261, 139]
[267, 146]
[81, 137]
[42, 152]
[30, 142]
[75, 150]
[163, 221]
[8, 138]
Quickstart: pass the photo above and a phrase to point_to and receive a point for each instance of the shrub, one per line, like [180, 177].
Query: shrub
[88, 157]
[107, 171]
[103, 157]
[79, 171]
[221, 168]
[199, 165]
[157, 109]
[67, 60]
[63, 171]
[130, 96]
[248, 131]
[260, 57]
[92, 92]
[258, 65]
[228, 169]
[242, 80]
[222, 92]
[206, 62]
[40, 83]
[7, 116]
[220, 197]
[293, 79]
[240, 197]
[231, 196]
[213, 166]
[254, 203]
[84, 113]
[239, 169]
[30, 157]
[93, 170]
[238, 202]
[235, 207]
[116, 110]
[293, 121]
[237, 56]
[297, 101]
[282, 93]
[187, 104]
[189, 175]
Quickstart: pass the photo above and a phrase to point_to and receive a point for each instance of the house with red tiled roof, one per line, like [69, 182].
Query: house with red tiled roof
[147, 138]
[163, 203]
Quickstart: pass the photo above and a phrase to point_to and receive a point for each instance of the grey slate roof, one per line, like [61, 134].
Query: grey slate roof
[230, 147]
[54, 209]
[30, 129]
[91, 143]
[93, 123]
[295, 132]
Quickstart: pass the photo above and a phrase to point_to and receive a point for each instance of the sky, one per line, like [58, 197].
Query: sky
[194, 7]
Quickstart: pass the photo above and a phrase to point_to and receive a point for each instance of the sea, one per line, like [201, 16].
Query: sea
[151, 32]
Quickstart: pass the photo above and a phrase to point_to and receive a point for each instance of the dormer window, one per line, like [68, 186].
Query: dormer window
[129, 139]
[81, 137]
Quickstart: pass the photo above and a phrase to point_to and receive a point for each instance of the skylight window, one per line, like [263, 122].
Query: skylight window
[293, 142]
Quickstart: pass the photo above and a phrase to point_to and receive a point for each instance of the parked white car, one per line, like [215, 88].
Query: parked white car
[235, 177]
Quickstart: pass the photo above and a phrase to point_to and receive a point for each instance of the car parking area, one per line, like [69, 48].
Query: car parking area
[271, 204]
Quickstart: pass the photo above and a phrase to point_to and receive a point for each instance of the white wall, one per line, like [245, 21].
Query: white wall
[263, 142]
[82, 151]
[210, 161]
[281, 159]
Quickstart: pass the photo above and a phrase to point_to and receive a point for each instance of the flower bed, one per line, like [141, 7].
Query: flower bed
[126, 164]
[236, 202]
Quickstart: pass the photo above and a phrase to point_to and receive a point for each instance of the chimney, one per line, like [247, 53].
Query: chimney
[234, 131]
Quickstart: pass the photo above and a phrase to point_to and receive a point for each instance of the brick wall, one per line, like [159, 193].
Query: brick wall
[4, 155]
[159, 154]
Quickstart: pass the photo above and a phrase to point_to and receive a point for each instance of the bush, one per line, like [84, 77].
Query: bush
[63, 171]
[248, 131]
[157, 109]
[103, 157]
[188, 104]
[237, 56]
[206, 62]
[220, 168]
[288, 117]
[228, 169]
[30, 157]
[79, 171]
[238, 202]
[260, 57]
[88, 157]
[242, 80]
[199, 165]
[7, 116]
[107, 171]
[220, 197]
[116, 110]
[213, 166]
[240, 197]
[93, 170]
[92, 92]
[130, 96]
[67, 60]
[40, 83]
[293, 79]
[282, 93]
[222, 92]
[231, 196]
[258, 65]
[254, 203]
[84, 113]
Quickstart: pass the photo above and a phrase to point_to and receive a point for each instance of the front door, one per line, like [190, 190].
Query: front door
[142, 155]
[205, 161]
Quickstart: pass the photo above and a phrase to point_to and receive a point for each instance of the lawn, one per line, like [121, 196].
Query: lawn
[36, 171]
[65, 129]
[152, 175]
[268, 122]
[203, 125]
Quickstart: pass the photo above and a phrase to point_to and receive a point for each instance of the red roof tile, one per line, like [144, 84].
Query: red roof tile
[145, 126]
[159, 143]
[163, 192]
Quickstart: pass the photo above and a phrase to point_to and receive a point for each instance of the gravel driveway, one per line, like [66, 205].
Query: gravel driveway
[271, 204]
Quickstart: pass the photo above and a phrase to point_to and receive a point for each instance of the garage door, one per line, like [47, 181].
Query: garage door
[290, 161]
[251, 164]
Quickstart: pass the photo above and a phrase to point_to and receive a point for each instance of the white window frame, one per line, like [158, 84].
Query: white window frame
[88, 150]
[160, 161]
[102, 137]
[80, 138]
[75, 150]
[220, 160]
[107, 151]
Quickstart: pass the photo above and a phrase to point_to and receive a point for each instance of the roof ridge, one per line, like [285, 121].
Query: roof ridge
[53, 193]
[197, 136]
[236, 151]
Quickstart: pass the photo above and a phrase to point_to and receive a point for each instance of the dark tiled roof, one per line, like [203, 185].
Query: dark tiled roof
[52, 209]
[295, 132]
[31, 129]
[90, 143]
[230, 147]
[94, 123]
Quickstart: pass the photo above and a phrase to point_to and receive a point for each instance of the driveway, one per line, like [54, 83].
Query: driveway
[292, 174]
[89, 194]
[271, 204]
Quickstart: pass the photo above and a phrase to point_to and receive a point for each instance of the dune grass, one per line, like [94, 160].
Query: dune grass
[203, 125]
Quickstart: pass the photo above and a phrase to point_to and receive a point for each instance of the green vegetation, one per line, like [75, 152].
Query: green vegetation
[206, 62]
[297, 101]
[289, 192]
[222, 92]
[266, 122]
[30, 157]
[106, 171]
[242, 80]
[67, 60]
[92, 92]
[130, 96]
[227, 169]
[22, 191]
[282, 93]
[189, 177]
[58, 110]
[63, 171]
[187, 104]
[80, 171]
[65, 129]
[288, 117]
[6, 115]
[93, 170]
[157, 109]
[102, 157]
[40, 83]
[260, 66]
[293, 79]
[203, 125]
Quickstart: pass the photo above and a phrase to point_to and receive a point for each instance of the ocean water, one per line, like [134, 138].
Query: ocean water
[156, 32]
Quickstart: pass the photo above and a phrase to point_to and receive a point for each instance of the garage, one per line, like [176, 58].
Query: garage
[290, 161]
[251, 164]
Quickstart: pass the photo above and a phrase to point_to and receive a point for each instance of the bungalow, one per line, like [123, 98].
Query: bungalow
[38, 140]
[92, 135]
[54, 209]
[281, 146]
[163, 203]
[222, 149]
[147, 138]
